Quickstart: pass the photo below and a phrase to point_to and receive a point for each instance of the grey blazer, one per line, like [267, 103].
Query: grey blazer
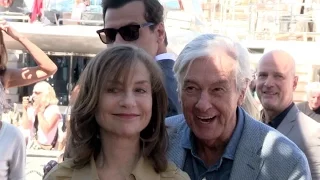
[262, 153]
[305, 133]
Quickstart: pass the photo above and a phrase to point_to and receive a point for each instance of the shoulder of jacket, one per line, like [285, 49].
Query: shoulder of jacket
[174, 173]
[62, 170]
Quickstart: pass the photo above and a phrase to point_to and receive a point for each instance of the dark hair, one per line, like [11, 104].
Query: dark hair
[3, 53]
[153, 9]
[84, 132]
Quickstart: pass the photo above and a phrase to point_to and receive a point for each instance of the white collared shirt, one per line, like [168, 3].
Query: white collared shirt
[165, 56]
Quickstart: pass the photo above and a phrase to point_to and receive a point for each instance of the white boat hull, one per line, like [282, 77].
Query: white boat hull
[67, 38]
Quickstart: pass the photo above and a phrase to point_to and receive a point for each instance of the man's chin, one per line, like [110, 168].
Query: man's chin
[269, 106]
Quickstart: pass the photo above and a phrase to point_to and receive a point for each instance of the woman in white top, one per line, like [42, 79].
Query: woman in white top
[12, 145]
[41, 118]
[12, 153]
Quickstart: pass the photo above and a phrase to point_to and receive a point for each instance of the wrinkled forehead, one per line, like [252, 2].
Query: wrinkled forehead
[213, 67]
[131, 13]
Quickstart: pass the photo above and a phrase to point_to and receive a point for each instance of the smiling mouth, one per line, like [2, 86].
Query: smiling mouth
[269, 93]
[126, 116]
[206, 119]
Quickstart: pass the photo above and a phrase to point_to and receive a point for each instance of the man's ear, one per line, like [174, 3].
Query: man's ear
[243, 93]
[161, 32]
[242, 97]
[295, 82]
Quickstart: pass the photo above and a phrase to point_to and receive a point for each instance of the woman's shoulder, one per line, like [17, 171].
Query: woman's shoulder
[12, 131]
[66, 171]
[62, 170]
[52, 109]
[173, 172]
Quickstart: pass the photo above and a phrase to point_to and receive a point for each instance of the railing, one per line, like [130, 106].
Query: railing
[14, 16]
[79, 21]
[256, 21]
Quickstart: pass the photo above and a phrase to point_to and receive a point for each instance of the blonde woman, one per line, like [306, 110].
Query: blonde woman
[41, 118]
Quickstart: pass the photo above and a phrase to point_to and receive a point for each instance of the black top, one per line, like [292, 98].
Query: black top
[314, 114]
[278, 119]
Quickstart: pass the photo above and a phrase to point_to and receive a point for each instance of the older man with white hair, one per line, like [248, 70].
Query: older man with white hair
[215, 138]
[311, 107]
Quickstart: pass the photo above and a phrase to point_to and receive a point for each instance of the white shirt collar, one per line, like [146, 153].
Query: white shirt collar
[165, 56]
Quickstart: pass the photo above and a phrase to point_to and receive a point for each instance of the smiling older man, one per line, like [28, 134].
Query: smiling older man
[215, 138]
[276, 82]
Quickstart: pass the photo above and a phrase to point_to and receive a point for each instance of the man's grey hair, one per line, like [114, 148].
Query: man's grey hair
[205, 46]
[313, 87]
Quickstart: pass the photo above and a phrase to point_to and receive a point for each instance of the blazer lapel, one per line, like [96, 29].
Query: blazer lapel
[176, 152]
[247, 163]
[288, 122]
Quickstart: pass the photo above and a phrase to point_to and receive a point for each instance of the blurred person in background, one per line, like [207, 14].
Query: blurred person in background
[79, 7]
[311, 107]
[27, 75]
[41, 117]
[64, 124]
[12, 147]
[117, 125]
[12, 144]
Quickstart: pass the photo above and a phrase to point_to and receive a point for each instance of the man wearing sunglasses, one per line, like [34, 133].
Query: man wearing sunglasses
[140, 22]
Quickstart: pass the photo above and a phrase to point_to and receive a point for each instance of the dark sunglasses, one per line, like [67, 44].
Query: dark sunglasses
[128, 33]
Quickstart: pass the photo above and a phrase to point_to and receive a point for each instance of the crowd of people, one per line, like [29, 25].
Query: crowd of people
[139, 113]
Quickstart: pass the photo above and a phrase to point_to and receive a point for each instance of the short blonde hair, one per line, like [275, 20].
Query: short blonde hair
[49, 92]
